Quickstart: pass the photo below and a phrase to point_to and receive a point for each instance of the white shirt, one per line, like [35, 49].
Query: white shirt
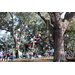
[1, 53]
[49, 47]
[65, 52]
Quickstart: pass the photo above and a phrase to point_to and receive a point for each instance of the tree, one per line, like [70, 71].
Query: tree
[69, 35]
[2, 15]
[42, 28]
[7, 41]
[15, 23]
[57, 27]
[44, 36]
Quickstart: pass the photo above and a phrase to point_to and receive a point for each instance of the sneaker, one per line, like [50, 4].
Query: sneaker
[32, 48]
[29, 48]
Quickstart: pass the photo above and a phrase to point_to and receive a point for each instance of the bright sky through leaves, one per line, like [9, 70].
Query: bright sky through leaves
[3, 31]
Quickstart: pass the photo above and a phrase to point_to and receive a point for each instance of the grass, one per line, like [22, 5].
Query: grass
[50, 59]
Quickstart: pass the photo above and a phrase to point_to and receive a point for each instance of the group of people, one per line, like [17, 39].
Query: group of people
[69, 53]
[5, 56]
[30, 55]
[37, 54]
[9, 55]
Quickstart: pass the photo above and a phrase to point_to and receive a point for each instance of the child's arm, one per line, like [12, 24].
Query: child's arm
[36, 38]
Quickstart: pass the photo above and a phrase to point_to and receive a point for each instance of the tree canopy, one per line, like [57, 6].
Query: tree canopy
[48, 22]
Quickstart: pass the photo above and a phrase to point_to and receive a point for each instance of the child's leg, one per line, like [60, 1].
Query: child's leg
[34, 43]
[31, 43]
[8, 59]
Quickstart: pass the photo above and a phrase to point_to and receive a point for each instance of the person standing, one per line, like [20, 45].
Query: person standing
[11, 51]
[16, 53]
[49, 47]
[8, 56]
[1, 54]
[11, 56]
[26, 45]
[34, 54]
[3, 57]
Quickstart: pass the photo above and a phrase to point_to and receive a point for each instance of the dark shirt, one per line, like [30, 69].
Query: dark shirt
[38, 39]
[8, 55]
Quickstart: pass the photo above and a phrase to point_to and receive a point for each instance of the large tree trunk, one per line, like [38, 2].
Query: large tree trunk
[59, 46]
[59, 54]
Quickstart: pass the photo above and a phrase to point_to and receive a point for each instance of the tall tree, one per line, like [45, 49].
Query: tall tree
[57, 27]
[15, 23]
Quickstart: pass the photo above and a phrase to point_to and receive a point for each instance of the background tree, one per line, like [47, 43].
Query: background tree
[6, 41]
[69, 36]
[15, 23]
[43, 30]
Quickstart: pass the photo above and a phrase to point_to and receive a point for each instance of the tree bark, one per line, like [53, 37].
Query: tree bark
[17, 44]
[59, 46]
[59, 42]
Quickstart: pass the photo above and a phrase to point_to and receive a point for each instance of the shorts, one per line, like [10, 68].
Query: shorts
[26, 46]
[50, 42]
[8, 55]
[0, 57]
[25, 50]
[37, 42]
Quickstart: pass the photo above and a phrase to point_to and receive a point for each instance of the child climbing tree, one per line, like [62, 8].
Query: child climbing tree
[57, 27]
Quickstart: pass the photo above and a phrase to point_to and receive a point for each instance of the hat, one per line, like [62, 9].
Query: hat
[40, 35]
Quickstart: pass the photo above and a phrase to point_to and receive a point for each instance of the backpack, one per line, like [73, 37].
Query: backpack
[26, 43]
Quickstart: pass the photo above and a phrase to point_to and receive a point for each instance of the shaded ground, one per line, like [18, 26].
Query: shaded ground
[50, 59]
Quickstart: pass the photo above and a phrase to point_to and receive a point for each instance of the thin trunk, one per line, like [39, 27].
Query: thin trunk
[17, 44]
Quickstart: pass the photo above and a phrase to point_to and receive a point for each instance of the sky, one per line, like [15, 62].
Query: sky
[3, 31]
[63, 15]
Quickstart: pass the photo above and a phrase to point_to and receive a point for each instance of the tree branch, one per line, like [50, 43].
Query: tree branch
[67, 19]
[11, 15]
[3, 16]
[51, 19]
[69, 15]
[9, 29]
[51, 28]
[43, 17]
[60, 13]
[58, 20]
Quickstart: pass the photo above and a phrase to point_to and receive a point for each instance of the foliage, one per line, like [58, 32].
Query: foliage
[15, 23]
[7, 41]
[69, 36]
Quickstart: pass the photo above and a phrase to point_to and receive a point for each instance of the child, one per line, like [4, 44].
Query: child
[36, 40]
[26, 46]
[50, 42]
[11, 56]
[4, 57]
[8, 55]
[1, 54]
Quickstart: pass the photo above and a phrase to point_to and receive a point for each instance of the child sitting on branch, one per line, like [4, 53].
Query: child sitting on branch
[36, 40]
